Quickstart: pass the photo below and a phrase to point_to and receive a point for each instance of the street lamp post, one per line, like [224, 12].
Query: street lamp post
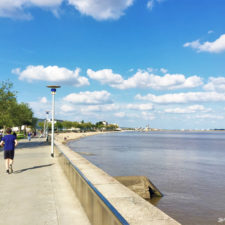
[46, 127]
[53, 92]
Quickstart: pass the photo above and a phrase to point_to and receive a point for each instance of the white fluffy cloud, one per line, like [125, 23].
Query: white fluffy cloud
[210, 31]
[183, 97]
[147, 116]
[40, 107]
[163, 70]
[67, 108]
[105, 76]
[209, 116]
[52, 74]
[150, 4]
[91, 112]
[141, 107]
[102, 9]
[91, 98]
[120, 114]
[189, 109]
[166, 82]
[216, 46]
[215, 84]
[100, 108]
[144, 79]
[15, 8]
[98, 9]
[43, 100]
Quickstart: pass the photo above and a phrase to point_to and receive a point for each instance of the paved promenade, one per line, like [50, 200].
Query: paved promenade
[37, 193]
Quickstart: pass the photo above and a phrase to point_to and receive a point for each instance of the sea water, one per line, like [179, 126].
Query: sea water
[187, 167]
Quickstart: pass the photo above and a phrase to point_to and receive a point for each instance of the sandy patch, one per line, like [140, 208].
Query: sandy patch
[65, 137]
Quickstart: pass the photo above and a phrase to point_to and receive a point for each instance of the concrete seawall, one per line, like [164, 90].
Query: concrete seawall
[104, 199]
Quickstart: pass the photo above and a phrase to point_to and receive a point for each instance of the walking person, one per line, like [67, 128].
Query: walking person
[29, 136]
[9, 141]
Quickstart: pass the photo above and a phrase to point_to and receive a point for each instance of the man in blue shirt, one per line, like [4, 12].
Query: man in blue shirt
[9, 141]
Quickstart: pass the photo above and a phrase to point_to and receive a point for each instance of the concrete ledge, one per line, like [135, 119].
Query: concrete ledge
[105, 200]
[141, 185]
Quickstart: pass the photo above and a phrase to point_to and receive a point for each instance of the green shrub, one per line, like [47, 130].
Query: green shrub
[20, 136]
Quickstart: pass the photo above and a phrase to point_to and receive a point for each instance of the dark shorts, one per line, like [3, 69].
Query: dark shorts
[9, 154]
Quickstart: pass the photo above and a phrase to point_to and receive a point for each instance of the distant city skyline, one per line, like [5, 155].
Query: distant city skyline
[131, 62]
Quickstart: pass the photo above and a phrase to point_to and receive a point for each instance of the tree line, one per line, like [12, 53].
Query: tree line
[13, 113]
[82, 126]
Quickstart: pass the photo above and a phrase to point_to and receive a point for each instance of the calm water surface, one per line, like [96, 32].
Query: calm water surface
[188, 168]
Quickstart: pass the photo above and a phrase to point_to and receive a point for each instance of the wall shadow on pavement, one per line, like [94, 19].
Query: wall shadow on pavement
[32, 168]
[32, 144]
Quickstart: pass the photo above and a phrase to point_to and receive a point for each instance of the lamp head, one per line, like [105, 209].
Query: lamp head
[53, 88]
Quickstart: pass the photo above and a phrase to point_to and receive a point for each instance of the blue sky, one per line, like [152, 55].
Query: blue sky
[131, 62]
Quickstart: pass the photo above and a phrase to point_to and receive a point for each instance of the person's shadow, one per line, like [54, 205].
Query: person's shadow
[32, 168]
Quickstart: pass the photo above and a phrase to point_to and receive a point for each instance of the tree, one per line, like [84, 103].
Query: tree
[88, 126]
[100, 125]
[34, 122]
[13, 113]
[75, 124]
[59, 125]
[7, 101]
[41, 125]
[21, 115]
[111, 127]
[67, 124]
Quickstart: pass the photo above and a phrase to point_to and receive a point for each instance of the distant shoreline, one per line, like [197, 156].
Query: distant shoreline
[183, 130]
[64, 138]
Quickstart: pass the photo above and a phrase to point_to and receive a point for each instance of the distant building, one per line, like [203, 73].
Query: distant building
[74, 129]
[104, 123]
[147, 128]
